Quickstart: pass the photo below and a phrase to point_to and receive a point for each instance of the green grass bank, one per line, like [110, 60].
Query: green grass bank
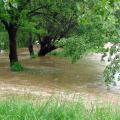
[56, 110]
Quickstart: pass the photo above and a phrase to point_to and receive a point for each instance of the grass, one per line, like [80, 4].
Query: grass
[16, 67]
[55, 110]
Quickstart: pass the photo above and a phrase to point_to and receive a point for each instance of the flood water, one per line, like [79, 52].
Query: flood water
[49, 75]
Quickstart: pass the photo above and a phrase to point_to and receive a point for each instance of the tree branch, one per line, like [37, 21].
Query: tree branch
[23, 5]
[34, 12]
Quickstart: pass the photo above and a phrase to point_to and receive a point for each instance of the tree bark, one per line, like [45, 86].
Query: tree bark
[12, 31]
[46, 46]
[30, 45]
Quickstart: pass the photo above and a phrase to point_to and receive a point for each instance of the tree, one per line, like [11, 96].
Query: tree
[57, 19]
[10, 14]
[14, 15]
[97, 25]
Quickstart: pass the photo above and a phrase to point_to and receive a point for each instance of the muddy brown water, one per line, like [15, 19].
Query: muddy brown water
[47, 76]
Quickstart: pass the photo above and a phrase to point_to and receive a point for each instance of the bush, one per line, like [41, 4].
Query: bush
[16, 67]
[74, 47]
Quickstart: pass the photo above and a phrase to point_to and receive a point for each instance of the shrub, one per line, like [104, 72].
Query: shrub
[16, 67]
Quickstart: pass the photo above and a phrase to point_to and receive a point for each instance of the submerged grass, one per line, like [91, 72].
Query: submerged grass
[16, 67]
[56, 110]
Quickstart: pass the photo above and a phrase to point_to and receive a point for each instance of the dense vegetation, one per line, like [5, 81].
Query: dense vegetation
[91, 22]
[56, 110]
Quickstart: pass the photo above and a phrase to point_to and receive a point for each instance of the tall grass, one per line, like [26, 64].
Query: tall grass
[54, 110]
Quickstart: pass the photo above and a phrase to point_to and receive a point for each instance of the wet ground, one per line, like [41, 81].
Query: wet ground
[49, 76]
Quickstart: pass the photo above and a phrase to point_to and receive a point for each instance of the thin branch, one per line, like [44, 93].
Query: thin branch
[34, 12]
[23, 5]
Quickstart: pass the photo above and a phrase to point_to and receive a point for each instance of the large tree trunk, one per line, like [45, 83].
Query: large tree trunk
[30, 45]
[12, 30]
[46, 46]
